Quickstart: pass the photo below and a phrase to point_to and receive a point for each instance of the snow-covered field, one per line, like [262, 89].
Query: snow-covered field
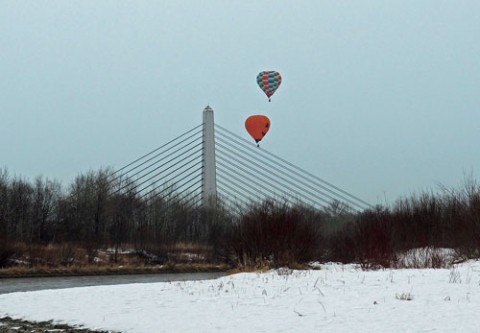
[336, 298]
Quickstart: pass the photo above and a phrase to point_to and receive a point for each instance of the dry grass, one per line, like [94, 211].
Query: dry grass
[68, 260]
[264, 267]
[44, 271]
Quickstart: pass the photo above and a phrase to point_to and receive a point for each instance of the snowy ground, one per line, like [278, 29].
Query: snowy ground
[335, 298]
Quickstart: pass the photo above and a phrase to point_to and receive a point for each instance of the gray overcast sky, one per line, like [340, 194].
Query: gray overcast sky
[380, 98]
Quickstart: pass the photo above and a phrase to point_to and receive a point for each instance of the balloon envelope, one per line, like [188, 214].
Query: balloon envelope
[257, 126]
[269, 81]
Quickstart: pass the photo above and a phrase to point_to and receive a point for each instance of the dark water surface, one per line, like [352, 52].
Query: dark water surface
[30, 284]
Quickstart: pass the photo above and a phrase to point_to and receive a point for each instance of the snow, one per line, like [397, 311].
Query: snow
[335, 298]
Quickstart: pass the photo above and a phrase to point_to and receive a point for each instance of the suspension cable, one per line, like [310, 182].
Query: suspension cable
[295, 169]
[155, 150]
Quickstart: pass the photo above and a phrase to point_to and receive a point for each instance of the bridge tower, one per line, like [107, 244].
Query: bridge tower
[209, 177]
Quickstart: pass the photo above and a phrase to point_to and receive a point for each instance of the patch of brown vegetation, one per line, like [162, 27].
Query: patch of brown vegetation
[36, 260]
[44, 271]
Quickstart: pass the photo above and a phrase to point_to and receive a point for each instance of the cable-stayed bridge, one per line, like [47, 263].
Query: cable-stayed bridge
[209, 165]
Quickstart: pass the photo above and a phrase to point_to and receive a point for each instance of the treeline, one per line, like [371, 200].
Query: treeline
[445, 226]
[449, 219]
[92, 214]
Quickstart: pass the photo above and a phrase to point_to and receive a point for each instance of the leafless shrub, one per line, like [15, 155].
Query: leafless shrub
[373, 231]
[284, 271]
[427, 257]
[454, 276]
[405, 296]
[67, 254]
[7, 251]
[275, 235]
[341, 246]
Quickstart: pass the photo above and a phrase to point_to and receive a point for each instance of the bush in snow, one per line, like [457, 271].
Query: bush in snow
[274, 234]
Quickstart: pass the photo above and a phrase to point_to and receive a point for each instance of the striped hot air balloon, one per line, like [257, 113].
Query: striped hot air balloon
[269, 81]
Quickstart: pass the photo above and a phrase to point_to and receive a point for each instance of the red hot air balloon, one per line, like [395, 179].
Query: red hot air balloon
[257, 126]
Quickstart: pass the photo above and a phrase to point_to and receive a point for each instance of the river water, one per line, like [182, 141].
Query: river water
[31, 284]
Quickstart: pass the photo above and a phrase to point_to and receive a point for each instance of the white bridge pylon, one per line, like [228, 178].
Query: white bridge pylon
[209, 174]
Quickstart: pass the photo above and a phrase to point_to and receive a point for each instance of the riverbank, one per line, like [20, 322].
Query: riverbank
[9, 325]
[91, 270]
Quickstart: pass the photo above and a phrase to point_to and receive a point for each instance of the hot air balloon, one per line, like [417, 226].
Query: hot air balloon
[269, 81]
[257, 126]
